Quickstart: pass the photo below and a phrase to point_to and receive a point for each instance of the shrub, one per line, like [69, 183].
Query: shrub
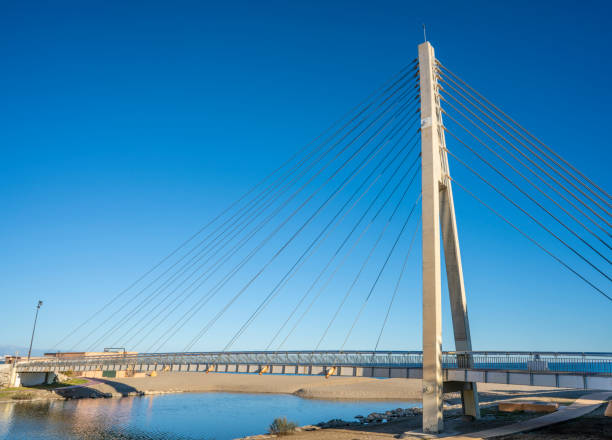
[280, 426]
[22, 396]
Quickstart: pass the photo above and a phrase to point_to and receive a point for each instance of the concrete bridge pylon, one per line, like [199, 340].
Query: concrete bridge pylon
[439, 227]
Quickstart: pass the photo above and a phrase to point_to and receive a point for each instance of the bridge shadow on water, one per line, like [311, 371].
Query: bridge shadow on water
[98, 387]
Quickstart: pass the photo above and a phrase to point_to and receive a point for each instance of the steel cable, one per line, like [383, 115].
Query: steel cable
[380, 272]
[187, 316]
[294, 235]
[506, 178]
[501, 193]
[530, 160]
[151, 320]
[402, 74]
[365, 262]
[191, 293]
[526, 166]
[339, 249]
[495, 120]
[340, 130]
[525, 178]
[527, 236]
[303, 258]
[491, 105]
[396, 289]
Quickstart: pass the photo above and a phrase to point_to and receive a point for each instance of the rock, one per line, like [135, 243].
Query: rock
[334, 423]
[390, 415]
[310, 428]
[375, 417]
[60, 377]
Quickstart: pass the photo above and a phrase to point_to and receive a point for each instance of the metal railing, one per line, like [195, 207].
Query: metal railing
[545, 362]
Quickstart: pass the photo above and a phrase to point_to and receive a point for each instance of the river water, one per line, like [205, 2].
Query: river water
[205, 416]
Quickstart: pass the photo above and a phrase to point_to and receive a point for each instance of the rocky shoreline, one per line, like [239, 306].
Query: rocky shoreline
[374, 418]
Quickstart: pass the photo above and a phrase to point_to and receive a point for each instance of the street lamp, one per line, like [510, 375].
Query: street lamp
[40, 303]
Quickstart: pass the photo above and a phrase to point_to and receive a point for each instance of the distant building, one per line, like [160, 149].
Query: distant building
[80, 354]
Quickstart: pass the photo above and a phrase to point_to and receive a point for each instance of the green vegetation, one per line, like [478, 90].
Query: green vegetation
[66, 383]
[22, 396]
[15, 393]
[280, 426]
[26, 393]
[75, 381]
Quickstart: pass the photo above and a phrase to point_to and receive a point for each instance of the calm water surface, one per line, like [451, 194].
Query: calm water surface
[173, 416]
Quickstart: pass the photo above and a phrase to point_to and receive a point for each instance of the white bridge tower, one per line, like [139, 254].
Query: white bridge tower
[439, 224]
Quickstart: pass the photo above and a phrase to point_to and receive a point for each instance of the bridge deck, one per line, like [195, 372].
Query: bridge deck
[565, 370]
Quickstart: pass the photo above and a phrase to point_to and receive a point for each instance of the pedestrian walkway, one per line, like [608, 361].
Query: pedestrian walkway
[579, 408]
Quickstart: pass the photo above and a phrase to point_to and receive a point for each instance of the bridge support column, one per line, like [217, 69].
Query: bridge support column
[432, 308]
[13, 377]
[456, 292]
[439, 220]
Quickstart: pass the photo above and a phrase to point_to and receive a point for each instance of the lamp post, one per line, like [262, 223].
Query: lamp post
[40, 303]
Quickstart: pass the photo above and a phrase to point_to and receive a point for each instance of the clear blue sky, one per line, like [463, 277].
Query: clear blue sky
[125, 126]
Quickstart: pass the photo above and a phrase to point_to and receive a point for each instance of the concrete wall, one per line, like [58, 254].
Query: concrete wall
[29, 379]
[92, 373]
[6, 375]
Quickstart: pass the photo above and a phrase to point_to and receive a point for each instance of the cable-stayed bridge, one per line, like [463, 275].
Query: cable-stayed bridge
[589, 371]
[333, 233]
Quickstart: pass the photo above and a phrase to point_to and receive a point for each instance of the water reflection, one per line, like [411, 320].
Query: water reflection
[179, 416]
[6, 415]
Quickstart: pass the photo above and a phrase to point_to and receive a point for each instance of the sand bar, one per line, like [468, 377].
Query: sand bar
[313, 387]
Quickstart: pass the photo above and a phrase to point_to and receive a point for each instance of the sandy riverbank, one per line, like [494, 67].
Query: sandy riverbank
[313, 387]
